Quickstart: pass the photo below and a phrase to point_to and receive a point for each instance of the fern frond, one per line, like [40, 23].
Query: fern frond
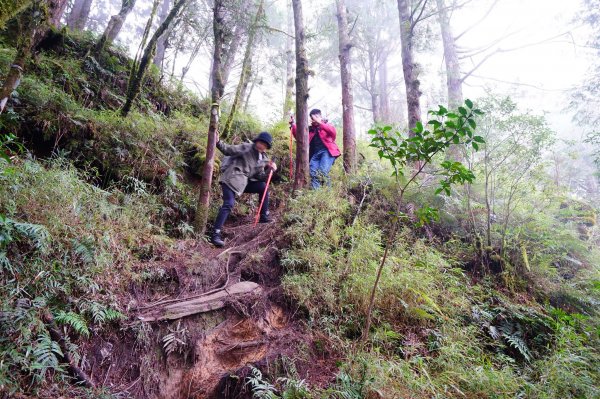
[37, 233]
[519, 344]
[85, 250]
[45, 355]
[76, 321]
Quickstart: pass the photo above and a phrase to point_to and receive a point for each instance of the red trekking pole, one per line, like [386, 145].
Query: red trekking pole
[263, 197]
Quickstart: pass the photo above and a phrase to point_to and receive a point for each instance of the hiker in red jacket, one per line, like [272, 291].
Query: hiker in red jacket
[322, 150]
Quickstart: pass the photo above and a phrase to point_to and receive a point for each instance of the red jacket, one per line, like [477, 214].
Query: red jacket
[327, 133]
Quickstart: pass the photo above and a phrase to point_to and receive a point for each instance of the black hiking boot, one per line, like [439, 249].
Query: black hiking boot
[216, 239]
[265, 219]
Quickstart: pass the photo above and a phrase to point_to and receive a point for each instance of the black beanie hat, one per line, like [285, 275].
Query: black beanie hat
[265, 137]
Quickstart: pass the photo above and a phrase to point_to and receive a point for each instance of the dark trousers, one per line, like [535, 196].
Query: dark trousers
[253, 187]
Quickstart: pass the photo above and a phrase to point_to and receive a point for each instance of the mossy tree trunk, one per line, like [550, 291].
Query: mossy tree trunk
[11, 8]
[114, 26]
[345, 45]
[217, 89]
[411, 75]
[33, 24]
[136, 80]
[301, 178]
[246, 69]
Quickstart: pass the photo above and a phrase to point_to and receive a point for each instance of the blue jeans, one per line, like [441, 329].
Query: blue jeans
[320, 164]
[254, 187]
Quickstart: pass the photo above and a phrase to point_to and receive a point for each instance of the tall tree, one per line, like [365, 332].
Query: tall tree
[79, 14]
[409, 68]
[217, 90]
[32, 24]
[114, 26]
[347, 98]
[288, 102]
[161, 45]
[246, 68]
[136, 79]
[453, 78]
[302, 169]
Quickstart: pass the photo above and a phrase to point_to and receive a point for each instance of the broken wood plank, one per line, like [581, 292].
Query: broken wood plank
[190, 306]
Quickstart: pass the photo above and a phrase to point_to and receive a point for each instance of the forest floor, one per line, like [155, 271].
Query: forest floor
[209, 355]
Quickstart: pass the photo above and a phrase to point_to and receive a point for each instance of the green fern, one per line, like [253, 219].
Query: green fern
[175, 340]
[101, 313]
[85, 250]
[45, 357]
[37, 233]
[76, 321]
[261, 389]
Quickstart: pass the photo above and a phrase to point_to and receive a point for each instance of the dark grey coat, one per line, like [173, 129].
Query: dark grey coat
[242, 163]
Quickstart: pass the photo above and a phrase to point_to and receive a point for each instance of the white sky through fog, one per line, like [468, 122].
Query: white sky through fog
[545, 72]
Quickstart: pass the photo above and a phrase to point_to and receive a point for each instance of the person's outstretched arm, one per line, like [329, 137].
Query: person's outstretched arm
[229, 149]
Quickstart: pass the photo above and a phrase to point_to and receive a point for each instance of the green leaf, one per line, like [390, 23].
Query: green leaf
[469, 103]
[479, 139]
[472, 123]
[475, 145]
[462, 110]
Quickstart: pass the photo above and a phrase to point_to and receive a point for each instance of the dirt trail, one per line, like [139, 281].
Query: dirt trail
[208, 355]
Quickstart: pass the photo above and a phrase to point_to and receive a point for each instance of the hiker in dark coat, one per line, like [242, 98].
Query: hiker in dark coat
[244, 170]
[322, 151]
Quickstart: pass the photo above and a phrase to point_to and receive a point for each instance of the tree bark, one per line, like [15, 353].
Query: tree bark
[217, 90]
[288, 102]
[301, 177]
[246, 69]
[409, 68]
[79, 14]
[345, 45]
[12, 8]
[136, 80]
[453, 80]
[373, 90]
[58, 13]
[33, 23]
[114, 26]
[384, 98]
[162, 41]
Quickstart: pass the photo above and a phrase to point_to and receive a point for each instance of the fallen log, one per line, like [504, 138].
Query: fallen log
[199, 304]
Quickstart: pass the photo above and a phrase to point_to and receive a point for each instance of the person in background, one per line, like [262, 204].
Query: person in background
[322, 151]
[243, 170]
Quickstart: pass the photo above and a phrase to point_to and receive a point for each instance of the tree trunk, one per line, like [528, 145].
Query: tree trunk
[246, 69]
[79, 14]
[217, 90]
[136, 80]
[454, 82]
[347, 98]
[288, 102]
[73, 18]
[301, 177]
[114, 26]
[384, 99]
[33, 24]
[58, 13]
[230, 46]
[411, 75]
[161, 44]
[253, 78]
[373, 91]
